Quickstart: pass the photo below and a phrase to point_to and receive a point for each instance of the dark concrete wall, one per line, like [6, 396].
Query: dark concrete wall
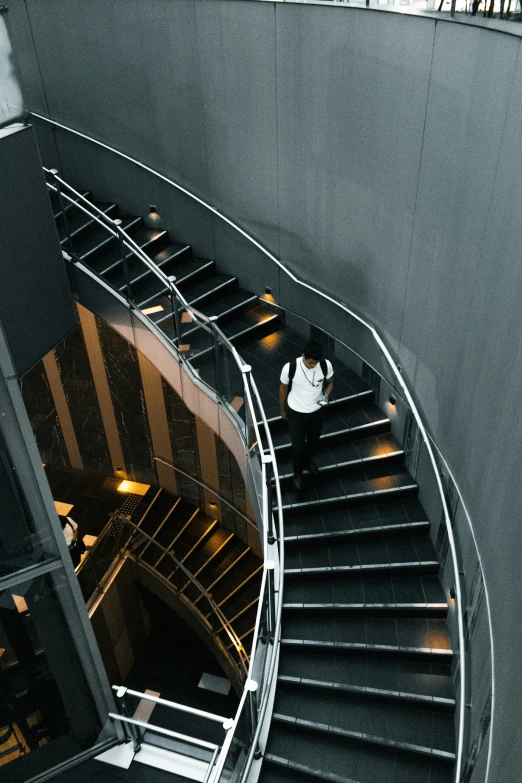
[379, 156]
[36, 306]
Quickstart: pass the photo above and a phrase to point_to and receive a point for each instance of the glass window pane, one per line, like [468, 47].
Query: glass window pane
[22, 542]
[47, 713]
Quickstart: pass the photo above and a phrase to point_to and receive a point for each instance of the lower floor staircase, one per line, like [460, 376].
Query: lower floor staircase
[221, 562]
[365, 690]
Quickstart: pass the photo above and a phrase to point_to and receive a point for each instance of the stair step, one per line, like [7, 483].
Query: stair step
[362, 521]
[411, 636]
[425, 680]
[337, 431]
[213, 547]
[110, 264]
[201, 292]
[367, 692]
[98, 241]
[69, 207]
[355, 556]
[338, 490]
[348, 455]
[218, 569]
[237, 331]
[412, 726]
[80, 223]
[317, 755]
[414, 594]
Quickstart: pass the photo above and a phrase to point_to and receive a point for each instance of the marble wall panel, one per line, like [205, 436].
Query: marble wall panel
[184, 442]
[80, 393]
[124, 378]
[232, 488]
[43, 417]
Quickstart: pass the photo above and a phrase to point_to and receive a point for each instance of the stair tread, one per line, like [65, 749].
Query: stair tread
[404, 548]
[371, 483]
[334, 759]
[401, 722]
[220, 306]
[201, 556]
[414, 633]
[246, 320]
[112, 260]
[98, 238]
[391, 589]
[426, 678]
[371, 516]
[78, 220]
[341, 453]
[196, 289]
[341, 423]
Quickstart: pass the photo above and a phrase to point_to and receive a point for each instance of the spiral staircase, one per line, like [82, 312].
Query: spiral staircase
[365, 692]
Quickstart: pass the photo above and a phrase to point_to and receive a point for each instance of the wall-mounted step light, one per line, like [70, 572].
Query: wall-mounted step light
[393, 399]
[153, 220]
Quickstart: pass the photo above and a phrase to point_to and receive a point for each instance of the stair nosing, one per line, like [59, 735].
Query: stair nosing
[362, 461]
[364, 690]
[356, 531]
[385, 648]
[373, 606]
[355, 495]
[362, 567]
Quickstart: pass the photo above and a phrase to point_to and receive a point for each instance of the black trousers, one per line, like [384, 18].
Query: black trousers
[305, 431]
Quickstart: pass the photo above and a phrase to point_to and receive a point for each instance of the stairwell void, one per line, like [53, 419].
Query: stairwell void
[365, 688]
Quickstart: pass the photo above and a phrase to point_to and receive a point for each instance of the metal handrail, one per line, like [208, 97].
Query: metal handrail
[207, 488]
[165, 732]
[396, 372]
[172, 704]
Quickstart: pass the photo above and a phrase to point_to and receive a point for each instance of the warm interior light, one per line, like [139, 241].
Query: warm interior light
[133, 487]
[62, 509]
[154, 309]
[393, 399]
[271, 341]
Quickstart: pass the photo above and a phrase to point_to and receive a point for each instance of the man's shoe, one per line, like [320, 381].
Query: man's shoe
[297, 480]
[312, 467]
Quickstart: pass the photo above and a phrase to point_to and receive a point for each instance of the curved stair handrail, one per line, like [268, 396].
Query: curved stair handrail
[398, 377]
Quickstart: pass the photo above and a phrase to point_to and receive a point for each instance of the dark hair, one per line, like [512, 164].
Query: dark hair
[313, 350]
[63, 520]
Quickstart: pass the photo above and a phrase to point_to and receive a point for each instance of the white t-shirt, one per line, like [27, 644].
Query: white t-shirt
[307, 385]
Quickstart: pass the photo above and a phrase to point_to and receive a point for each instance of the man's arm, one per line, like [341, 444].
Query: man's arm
[283, 394]
[329, 386]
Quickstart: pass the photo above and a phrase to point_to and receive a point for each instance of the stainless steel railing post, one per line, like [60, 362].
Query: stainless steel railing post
[134, 731]
[61, 202]
[217, 355]
[176, 320]
[123, 256]
[267, 461]
[271, 614]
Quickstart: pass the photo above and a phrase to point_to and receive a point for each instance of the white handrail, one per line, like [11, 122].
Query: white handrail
[396, 372]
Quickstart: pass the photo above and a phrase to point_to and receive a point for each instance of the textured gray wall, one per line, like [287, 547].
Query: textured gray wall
[378, 155]
[36, 306]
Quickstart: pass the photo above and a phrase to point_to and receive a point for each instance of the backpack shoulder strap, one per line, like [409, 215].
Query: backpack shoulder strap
[324, 367]
[291, 372]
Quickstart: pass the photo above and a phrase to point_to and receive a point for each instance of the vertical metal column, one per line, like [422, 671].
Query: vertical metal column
[61, 202]
[123, 256]
[133, 730]
[176, 320]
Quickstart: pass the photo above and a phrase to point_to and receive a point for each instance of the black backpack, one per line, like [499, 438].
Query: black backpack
[293, 368]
